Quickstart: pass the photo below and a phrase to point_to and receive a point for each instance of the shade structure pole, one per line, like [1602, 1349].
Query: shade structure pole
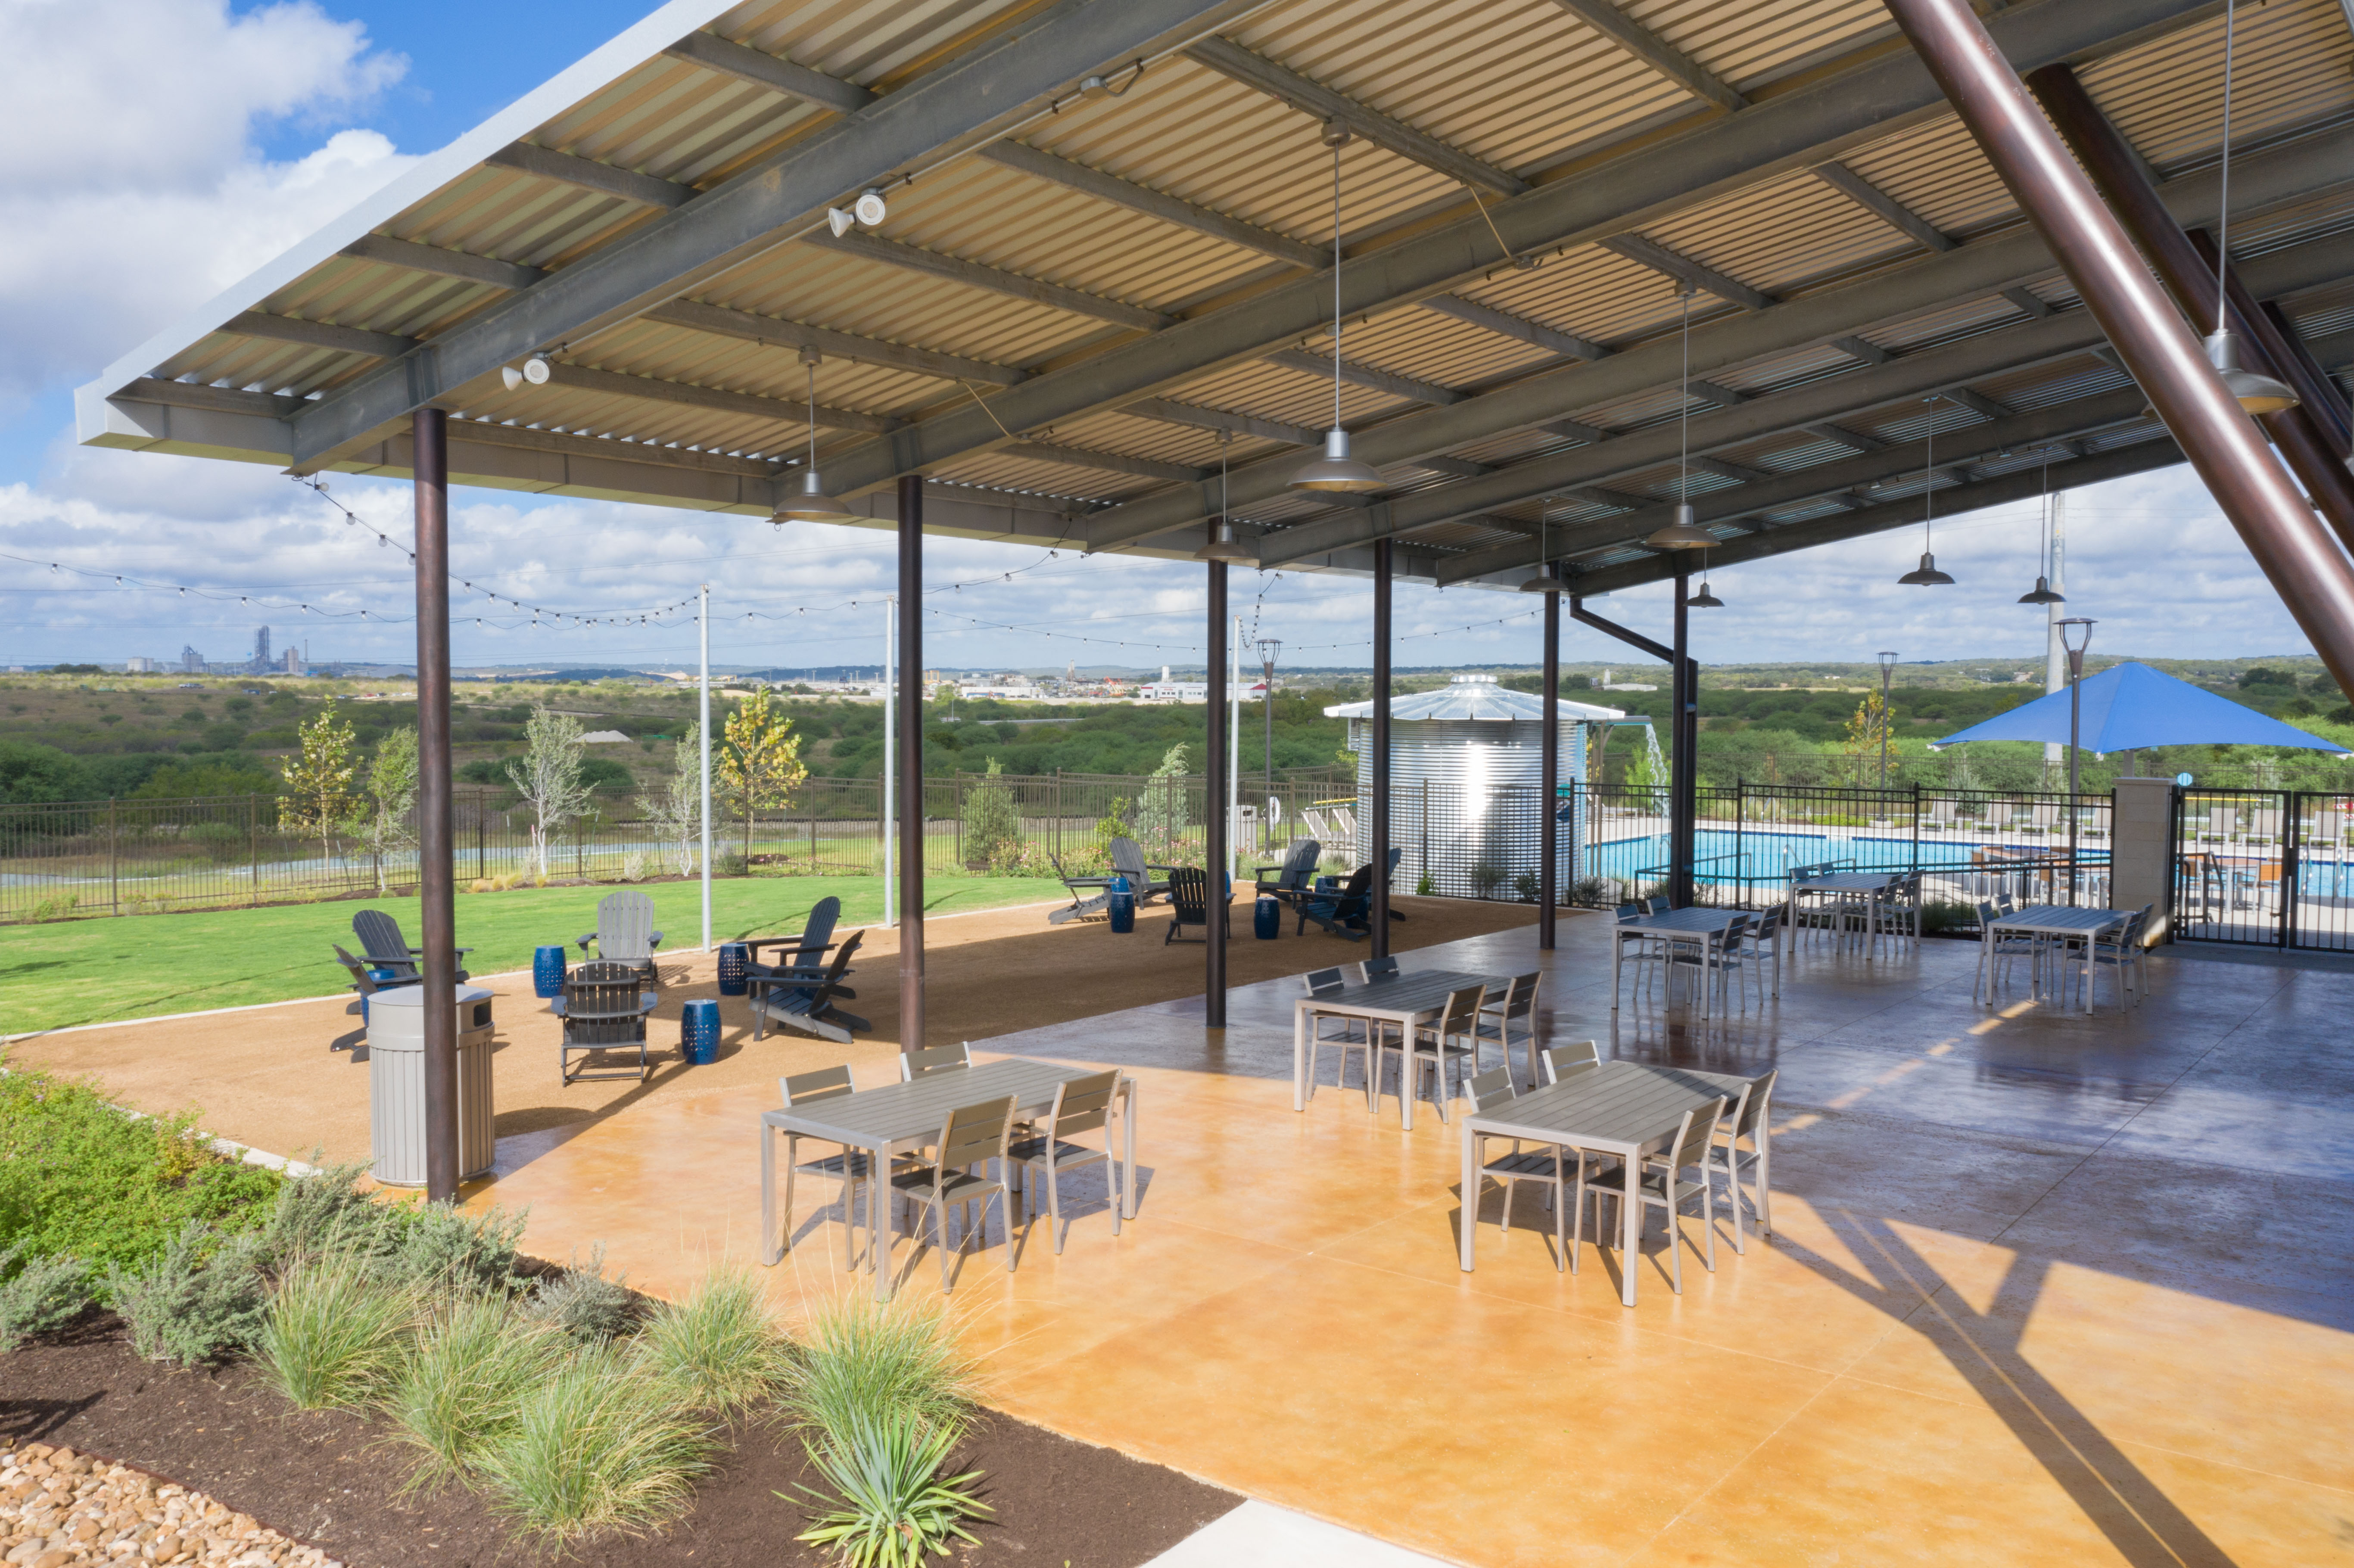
[1235, 733]
[2306, 567]
[1378, 802]
[890, 748]
[911, 762]
[702, 730]
[1683, 771]
[436, 854]
[1214, 858]
[1549, 780]
[2301, 434]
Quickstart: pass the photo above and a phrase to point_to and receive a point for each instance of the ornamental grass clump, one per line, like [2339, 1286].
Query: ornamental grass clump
[335, 1335]
[719, 1348]
[600, 1446]
[462, 1390]
[860, 1360]
[895, 1505]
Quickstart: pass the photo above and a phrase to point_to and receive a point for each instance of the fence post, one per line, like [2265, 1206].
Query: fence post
[1426, 831]
[1917, 828]
[253, 847]
[1058, 811]
[114, 870]
[2291, 830]
[1741, 835]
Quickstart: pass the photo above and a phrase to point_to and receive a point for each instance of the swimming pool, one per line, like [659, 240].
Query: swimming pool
[1720, 854]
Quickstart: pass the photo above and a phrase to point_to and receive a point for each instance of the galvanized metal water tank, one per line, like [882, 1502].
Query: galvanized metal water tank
[1464, 776]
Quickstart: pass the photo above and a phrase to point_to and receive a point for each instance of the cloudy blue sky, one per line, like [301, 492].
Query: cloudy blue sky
[164, 148]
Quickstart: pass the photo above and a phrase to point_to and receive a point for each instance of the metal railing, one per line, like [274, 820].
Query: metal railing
[2267, 867]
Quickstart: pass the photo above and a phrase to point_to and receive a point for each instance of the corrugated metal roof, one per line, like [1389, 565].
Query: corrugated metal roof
[1478, 699]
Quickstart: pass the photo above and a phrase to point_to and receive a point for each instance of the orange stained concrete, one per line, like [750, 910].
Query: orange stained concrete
[2042, 1289]
[267, 1076]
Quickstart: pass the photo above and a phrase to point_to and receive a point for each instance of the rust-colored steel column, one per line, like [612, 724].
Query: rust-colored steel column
[2189, 277]
[1377, 808]
[911, 762]
[436, 861]
[2304, 565]
[1549, 780]
[1216, 853]
[1683, 763]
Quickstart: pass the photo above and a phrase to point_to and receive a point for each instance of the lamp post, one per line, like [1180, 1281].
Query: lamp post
[1887, 668]
[2075, 642]
[1268, 647]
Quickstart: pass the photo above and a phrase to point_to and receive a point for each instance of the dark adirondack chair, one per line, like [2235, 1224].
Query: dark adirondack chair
[1345, 910]
[1189, 902]
[1127, 860]
[384, 948]
[1089, 894]
[1295, 876]
[625, 934]
[602, 1010]
[804, 999]
[804, 949]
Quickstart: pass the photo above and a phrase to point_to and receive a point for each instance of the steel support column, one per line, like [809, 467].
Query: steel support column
[1379, 740]
[2304, 565]
[911, 762]
[1683, 767]
[1686, 679]
[1548, 778]
[1215, 855]
[2301, 434]
[435, 862]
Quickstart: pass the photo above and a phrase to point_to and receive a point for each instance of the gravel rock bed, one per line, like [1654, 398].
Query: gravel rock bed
[63, 1510]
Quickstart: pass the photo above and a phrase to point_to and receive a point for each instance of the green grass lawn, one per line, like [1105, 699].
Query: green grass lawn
[97, 971]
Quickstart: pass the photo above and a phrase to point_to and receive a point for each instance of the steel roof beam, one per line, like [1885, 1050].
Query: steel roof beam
[2029, 300]
[1842, 436]
[1255, 70]
[1110, 188]
[993, 279]
[1655, 51]
[588, 174]
[1541, 400]
[722, 321]
[317, 335]
[652, 389]
[1201, 418]
[1882, 205]
[1569, 345]
[1454, 467]
[443, 262]
[761, 68]
[1863, 349]
[1684, 269]
[1107, 463]
[1977, 403]
[977, 97]
[1412, 388]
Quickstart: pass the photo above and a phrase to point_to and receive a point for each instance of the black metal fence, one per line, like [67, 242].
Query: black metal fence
[2267, 867]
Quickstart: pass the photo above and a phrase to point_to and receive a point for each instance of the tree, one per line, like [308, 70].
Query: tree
[1867, 732]
[548, 777]
[318, 780]
[993, 823]
[1162, 814]
[392, 791]
[677, 812]
[760, 761]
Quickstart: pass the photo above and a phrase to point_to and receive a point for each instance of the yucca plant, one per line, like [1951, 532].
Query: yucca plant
[462, 1389]
[719, 1348]
[896, 1504]
[600, 1445]
[334, 1336]
[859, 1361]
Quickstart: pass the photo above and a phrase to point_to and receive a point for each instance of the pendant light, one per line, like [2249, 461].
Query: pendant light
[1704, 599]
[1683, 533]
[1547, 580]
[814, 504]
[1223, 545]
[2256, 394]
[1336, 469]
[2041, 593]
[1926, 574]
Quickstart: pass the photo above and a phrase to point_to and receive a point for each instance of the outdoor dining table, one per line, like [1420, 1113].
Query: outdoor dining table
[1687, 923]
[1403, 1000]
[1845, 884]
[2047, 920]
[1624, 1108]
[879, 1120]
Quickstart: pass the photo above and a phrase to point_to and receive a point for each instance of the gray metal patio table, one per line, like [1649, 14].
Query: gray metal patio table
[1403, 1000]
[1686, 923]
[1845, 884]
[876, 1121]
[2049, 921]
[1623, 1108]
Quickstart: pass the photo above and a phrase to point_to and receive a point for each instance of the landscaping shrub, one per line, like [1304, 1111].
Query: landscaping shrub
[1939, 915]
[463, 1388]
[202, 1299]
[584, 1305]
[719, 1348]
[335, 1335]
[599, 1445]
[80, 1177]
[420, 1246]
[860, 1360]
[896, 1505]
[40, 1294]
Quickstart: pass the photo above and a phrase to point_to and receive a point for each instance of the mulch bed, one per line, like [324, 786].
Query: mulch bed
[330, 1478]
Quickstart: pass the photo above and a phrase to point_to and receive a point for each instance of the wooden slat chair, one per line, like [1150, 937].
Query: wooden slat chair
[804, 999]
[625, 934]
[848, 1165]
[383, 946]
[1189, 902]
[1081, 1106]
[969, 1138]
[602, 1010]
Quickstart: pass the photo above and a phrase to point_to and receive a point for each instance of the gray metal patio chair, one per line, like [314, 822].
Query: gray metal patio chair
[1081, 1106]
[1354, 1036]
[1752, 1118]
[602, 1010]
[383, 946]
[914, 1065]
[1563, 1062]
[1373, 969]
[969, 1138]
[1760, 945]
[1453, 1038]
[805, 1000]
[625, 934]
[2122, 953]
[1995, 957]
[850, 1166]
[1557, 1168]
[1659, 1184]
[1514, 1013]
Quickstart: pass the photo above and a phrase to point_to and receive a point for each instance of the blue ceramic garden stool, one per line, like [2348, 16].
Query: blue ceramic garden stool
[1267, 919]
[735, 961]
[1122, 904]
[698, 1034]
[547, 971]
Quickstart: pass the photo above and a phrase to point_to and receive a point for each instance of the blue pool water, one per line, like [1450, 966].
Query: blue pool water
[1764, 855]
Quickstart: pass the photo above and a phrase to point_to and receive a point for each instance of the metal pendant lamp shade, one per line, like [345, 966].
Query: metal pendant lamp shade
[1926, 574]
[2256, 394]
[1224, 546]
[1704, 600]
[1683, 533]
[1545, 581]
[2043, 593]
[814, 504]
[1336, 469]
[1548, 578]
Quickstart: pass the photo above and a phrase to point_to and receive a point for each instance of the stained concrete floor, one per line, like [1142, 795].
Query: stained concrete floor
[2044, 1289]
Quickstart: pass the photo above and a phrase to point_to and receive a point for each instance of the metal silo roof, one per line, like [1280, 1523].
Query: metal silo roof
[1477, 697]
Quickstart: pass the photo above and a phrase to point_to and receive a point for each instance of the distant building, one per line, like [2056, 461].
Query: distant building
[604, 737]
[138, 665]
[293, 662]
[260, 664]
[191, 662]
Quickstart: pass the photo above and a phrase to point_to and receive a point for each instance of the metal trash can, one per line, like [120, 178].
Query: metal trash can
[396, 1084]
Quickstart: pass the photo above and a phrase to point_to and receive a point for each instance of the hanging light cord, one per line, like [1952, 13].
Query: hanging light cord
[813, 416]
[2223, 219]
[1929, 479]
[2044, 554]
[1336, 285]
[1683, 439]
